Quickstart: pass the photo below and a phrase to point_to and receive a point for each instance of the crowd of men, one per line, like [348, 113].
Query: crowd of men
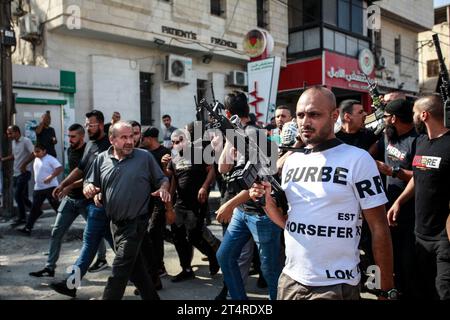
[352, 201]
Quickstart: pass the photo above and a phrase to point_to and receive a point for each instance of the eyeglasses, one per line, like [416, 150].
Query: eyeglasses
[176, 142]
[91, 125]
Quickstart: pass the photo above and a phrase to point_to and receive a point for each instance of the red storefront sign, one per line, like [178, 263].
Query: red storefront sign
[343, 72]
[337, 71]
[296, 74]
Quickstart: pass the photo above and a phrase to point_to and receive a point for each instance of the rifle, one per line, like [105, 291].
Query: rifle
[444, 88]
[243, 179]
[377, 115]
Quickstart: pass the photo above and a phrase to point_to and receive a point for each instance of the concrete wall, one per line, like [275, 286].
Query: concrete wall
[418, 11]
[427, 52]
[407, 71]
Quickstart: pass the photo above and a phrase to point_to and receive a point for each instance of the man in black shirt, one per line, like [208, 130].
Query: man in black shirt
[153, 243]
[429, 185]
[73, 204]
[45, 134]
[353, 132]
[398, 147]
[191, 181]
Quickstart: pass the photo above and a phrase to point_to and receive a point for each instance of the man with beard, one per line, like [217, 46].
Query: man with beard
[352, 132]
[329, 187]
[429, 185]
[97, 222]
[72, 205]
[282, 116]
[137, 134]
[125, 176]
[398, 147]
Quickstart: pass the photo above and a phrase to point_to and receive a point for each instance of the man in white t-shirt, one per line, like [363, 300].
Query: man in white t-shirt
[46, 168]
[329, 187]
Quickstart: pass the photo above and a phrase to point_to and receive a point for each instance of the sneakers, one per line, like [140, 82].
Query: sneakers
[261, 282]
[214, 266]
[162, 272]
[18, 222]
[61, 287]
[26, 231]
[46, 272]
[98, 266]
[183, 275]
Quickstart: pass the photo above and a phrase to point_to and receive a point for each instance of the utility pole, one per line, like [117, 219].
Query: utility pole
[8, 40]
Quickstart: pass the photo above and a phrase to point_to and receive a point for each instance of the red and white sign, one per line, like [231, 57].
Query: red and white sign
[344, 72]
[263, 78]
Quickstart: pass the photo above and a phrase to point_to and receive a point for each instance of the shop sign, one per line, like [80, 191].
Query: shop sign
[179, 32]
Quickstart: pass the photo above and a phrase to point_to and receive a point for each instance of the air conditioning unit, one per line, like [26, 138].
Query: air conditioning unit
[29, 27]
[178, 69]
[237, 78]
[381, 62]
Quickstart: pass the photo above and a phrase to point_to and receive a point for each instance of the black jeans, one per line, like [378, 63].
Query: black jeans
[153, 243]
[21, 193]
[188, 232]
[128, 263]
[39, 197]
[433, 269]
[403, 240]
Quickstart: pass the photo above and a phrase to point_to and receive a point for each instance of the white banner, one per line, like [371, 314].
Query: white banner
[263, 78]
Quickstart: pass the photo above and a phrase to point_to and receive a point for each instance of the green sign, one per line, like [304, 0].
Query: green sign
[67, 82]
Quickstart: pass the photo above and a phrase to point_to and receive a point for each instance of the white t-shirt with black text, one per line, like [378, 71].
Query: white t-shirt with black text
[326, 192]
[43, 167]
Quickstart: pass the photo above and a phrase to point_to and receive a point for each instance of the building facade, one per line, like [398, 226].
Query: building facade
[329, 42]
[428, 61]
[146, 58]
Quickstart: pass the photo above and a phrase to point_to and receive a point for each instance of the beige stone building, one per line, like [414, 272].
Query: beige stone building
[146, 58]
[429, 64]
[395, 43]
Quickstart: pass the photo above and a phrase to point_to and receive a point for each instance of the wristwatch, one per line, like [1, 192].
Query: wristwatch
[390, 295]
[395, 171]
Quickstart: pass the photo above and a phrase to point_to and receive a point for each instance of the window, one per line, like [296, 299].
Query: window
[261, 13]
[302, 12]
[377, 42]
[432, 68]
[217, 7]
[397, 50]
[329, 11]
[357, 16]
[311, 11]
[344, 14]
[145, 81]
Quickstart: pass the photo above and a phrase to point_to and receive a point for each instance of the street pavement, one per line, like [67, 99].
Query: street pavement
[20, 254]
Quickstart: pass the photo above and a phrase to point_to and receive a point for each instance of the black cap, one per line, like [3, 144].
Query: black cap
[400, 108]
[151, 132]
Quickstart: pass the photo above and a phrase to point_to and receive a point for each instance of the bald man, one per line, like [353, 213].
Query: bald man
[328, 187]
[429, 186]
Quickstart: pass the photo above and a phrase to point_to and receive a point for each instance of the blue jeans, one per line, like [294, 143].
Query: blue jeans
[97, 227]
[68, 211]
[267, 238]
[21, 193]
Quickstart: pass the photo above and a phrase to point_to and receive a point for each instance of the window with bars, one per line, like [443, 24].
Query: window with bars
[218, 7]
[432, 68]
[397, 50]
[145, 81]
[261, 13]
